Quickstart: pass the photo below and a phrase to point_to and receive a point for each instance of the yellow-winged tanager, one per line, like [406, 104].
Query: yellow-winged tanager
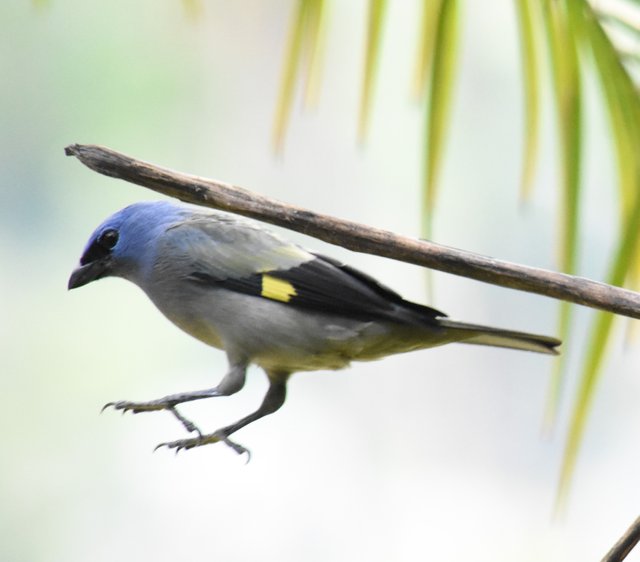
[236, 286]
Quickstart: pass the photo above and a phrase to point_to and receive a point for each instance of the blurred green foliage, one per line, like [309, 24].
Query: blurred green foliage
[574, 36]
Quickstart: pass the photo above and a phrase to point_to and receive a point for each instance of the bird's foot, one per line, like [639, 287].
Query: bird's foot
[200, 440]
[137, 407]
[154, 406]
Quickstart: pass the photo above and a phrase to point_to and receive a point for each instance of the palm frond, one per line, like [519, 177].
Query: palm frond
[428, 27]
[304, 47]
[377, 11]
[562, 28]
[443, 69]
[315, 50]
[623, 105]
[528, 22]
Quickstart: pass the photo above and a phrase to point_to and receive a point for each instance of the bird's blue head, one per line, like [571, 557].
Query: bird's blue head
[124, 244]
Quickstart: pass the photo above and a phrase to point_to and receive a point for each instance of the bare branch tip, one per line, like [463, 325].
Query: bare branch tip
[71, 150]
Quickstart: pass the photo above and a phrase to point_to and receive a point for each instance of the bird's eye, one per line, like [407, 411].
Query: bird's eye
[108, 239]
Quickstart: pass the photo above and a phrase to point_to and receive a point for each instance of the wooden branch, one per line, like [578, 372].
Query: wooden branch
[358, 237]
[625, 544]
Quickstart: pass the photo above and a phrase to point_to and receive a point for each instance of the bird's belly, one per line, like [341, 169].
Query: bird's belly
[203, 332]
[279, 337]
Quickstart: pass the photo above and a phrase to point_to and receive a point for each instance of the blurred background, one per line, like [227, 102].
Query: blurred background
[435, 455]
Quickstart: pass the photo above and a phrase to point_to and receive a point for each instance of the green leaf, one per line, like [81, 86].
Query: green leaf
[294, 49]
[428, 27]
[624, 112]
[623, 105]
[600, 333]
[440, 94]
[377, 11]
[528, 24]
[314, 45]
[562, 22]
[567, 88]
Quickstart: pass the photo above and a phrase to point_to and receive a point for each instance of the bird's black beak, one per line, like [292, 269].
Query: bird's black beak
[88, 272]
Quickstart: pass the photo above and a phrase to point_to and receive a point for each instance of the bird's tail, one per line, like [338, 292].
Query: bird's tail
[483, 335]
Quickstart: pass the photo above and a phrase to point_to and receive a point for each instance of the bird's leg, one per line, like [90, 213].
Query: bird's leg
[186, 422]
[273, 400]
[232, 382]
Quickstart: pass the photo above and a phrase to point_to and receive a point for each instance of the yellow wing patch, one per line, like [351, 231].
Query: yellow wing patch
[277, 289]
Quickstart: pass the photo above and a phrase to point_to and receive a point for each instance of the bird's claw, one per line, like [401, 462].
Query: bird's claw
[136, 407]
[107, 405]
[201, 440]
[154, 406]
[239, 449]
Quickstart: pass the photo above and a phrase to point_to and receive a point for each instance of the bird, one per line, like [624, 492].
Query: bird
[237, 286]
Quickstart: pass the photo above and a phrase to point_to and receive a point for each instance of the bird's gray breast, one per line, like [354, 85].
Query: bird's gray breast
[271, 334]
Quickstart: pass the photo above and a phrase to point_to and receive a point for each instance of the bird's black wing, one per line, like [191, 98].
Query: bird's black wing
[324, 285]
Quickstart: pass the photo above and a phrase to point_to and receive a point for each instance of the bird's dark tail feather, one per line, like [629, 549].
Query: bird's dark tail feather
[483, 335]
